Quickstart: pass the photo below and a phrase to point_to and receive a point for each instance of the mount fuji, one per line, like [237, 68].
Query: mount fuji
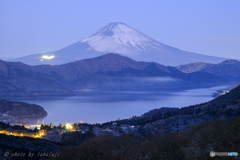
[121, 39]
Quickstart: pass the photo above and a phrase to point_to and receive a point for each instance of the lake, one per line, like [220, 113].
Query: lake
[99, 107]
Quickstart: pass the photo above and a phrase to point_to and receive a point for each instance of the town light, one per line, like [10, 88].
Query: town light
[69, 126]
[47, 57]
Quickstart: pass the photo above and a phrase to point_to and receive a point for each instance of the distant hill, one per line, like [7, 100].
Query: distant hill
[20, 112]
[124, 40]
[233, 86]
[229, 68]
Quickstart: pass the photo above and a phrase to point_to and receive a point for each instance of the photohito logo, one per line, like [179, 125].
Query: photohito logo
[213, 154]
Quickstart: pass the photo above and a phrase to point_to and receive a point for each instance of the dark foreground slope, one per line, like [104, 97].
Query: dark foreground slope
[195, 143]
[22, 148]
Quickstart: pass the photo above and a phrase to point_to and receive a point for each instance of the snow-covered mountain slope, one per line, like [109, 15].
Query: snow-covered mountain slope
[119, 38]
[122, 39]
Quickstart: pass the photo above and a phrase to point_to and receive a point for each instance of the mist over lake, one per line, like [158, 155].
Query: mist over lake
[99, 107]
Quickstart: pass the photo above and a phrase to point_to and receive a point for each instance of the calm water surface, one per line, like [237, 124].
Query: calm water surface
[99, 107]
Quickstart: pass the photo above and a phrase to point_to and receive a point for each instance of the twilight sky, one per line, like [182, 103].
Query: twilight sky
[210, 27]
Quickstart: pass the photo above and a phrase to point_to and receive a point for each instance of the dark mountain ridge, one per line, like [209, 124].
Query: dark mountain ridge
[115, 72]
[107, 72]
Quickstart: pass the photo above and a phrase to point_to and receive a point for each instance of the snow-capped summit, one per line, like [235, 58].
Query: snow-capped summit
[119, 38]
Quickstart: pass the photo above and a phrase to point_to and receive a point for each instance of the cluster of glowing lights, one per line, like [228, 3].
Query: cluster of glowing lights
[36, 135]
[48, 57]
[69, 126]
